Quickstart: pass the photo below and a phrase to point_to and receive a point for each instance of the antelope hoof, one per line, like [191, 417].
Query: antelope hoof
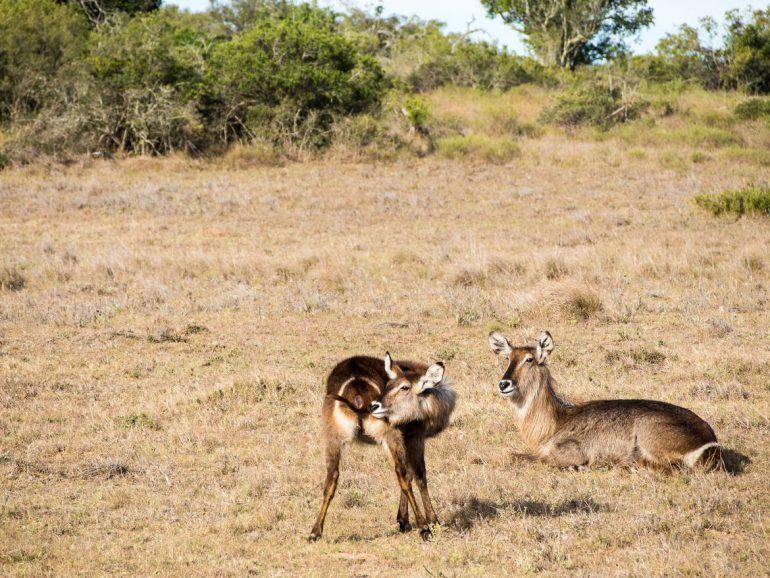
[404, 526]
[426, 534]
[315, 535]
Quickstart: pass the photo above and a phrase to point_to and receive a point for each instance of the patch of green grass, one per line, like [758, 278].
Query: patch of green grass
[642, 133]
[699, 157]
[758, 156]
[754, 199]
[637, 153]
[672, 161]
[495, 150]
[139, 421]
[753, 109]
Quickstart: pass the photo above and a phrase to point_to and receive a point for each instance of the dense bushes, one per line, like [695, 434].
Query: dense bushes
[128, 77]
[166, 81]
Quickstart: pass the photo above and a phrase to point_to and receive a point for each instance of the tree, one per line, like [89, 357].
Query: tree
[747, 47]
[98, 10]
[566, 33]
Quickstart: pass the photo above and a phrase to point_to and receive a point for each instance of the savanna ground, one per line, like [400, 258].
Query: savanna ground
[166, 328]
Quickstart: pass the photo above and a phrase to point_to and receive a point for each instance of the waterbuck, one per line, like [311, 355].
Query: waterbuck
[397, 404]
[620, 431]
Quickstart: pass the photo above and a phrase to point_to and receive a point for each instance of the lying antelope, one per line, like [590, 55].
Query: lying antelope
[397, 404]
[621, 431]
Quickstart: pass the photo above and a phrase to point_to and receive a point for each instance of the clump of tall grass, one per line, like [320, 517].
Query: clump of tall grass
[495, 150]
[11, 278]
[582, 305]
[753, 199]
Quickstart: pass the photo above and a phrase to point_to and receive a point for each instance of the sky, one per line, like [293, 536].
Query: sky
[669, 14]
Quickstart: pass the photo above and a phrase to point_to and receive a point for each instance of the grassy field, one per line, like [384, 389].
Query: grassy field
[166, 328]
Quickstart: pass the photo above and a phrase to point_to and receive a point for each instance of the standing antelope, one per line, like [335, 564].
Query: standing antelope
[397, 404]
[623, 431]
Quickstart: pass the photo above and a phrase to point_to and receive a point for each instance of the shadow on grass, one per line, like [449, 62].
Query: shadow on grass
[734, 462]
[471, 510]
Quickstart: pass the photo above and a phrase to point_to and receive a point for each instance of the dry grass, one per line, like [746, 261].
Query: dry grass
[162, 366]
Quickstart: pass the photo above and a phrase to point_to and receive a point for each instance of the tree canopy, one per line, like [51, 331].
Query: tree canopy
[566, 33]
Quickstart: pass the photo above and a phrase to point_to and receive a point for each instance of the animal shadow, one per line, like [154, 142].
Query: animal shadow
[734, 462]
[471, 510]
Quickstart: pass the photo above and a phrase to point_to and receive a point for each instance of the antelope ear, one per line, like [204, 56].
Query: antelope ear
[544, 347]
[499, 344]
[435, 373]
[390, 367]
[432, 377]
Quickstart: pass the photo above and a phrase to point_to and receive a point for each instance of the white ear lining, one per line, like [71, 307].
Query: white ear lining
[499, 344]
[544, 346]
[389, 367]
[435, 373]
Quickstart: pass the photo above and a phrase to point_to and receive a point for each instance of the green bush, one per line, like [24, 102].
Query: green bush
[754, 199]
[147, 77]
[753, 109]
[41, 41]
[286, 80]
[594, 104]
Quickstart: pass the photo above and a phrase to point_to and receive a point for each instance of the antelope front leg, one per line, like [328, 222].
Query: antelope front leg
[402, 473]
[416, 453]
[403, 514]
[333, 452]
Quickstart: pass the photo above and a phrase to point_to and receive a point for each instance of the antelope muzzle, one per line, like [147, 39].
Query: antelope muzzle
[507, 387]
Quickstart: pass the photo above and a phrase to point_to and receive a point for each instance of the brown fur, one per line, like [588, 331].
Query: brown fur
[352, 387]
[623, 431]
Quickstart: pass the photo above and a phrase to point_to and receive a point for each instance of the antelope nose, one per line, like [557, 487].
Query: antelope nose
[504, 384]
[376, 405]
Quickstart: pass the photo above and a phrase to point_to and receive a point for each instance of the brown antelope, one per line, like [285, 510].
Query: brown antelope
[397, 404]
[621, 431]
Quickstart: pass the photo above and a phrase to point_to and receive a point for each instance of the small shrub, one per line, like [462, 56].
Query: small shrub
[644, 355]
[753, 109]
[11, 278]
[493, 150]
[593, 104]
[417, 113]
[754, 199]
[139, 421]
[582, 305]
[699, 157]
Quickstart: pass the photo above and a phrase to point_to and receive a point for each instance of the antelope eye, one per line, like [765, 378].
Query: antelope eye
[405, 386]
[529, 359]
